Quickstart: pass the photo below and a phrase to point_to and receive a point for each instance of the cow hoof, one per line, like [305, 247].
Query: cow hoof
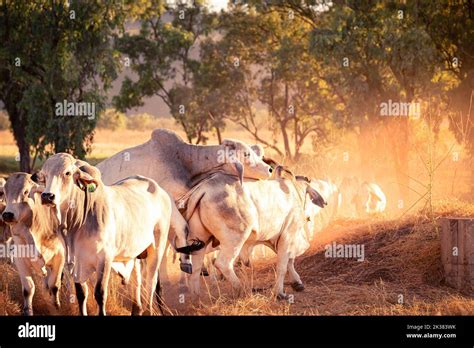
[282, 296]
[186, 268]
[204, 272]
[136, 310]
[297, 286]
[28, 312]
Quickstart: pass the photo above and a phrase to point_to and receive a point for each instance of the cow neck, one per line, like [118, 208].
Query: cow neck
[44, 222]
[83, 201]
[200, 159]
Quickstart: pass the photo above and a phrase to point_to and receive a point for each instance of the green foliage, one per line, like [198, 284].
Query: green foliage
[112, 120]
[162, 51]
[140, 122]
[51, 52]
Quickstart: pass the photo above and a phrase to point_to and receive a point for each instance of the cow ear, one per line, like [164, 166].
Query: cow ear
[84, 179]
[37, 178]
[283, 172]
[37, 189]
[258, 149]
[315, 197]
[229, 144]
[272, 163]
[239, 168]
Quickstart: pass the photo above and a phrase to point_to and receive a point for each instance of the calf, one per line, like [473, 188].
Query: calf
[33, 228]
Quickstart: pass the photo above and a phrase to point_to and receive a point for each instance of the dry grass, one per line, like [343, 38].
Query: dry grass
[402, 258]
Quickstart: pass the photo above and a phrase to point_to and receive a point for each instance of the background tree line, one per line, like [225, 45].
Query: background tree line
[299, 68]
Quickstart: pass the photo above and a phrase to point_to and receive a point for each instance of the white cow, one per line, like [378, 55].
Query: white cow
[34, 231]
[361, 199]
[108, 224]
[237, 217]
[370, 199]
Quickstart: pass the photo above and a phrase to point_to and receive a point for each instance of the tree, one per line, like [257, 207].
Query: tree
[371, 53]
[263, 59]
[55, 51]
[450, 26]
[163, 51]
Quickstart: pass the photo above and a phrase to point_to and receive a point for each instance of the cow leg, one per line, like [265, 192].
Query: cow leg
[246, 253]
[82, 292]
[161, 239]
[195, 278]
[225, 263]
[164, 276]
[27, 284]
[135, 290]
[282, 266]
[54, 278]
[104, 268]
[197, 231]
[151, 275]
[295, 279]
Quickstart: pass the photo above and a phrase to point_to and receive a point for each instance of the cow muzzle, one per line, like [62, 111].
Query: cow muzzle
[8, 217]
[47, 198]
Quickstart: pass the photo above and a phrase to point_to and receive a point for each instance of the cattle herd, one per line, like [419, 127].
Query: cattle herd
[122, 215]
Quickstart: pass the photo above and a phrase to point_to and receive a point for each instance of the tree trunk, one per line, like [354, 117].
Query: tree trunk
[286, 140]
[219, 135]
[18, 123]
[283, 123]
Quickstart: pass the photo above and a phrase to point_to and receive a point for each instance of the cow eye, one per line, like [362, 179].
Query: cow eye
[25, 193]
[68, 173]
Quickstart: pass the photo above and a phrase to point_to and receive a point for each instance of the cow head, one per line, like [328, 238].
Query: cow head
[61, 175]
[245, 160]
[19, 192]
